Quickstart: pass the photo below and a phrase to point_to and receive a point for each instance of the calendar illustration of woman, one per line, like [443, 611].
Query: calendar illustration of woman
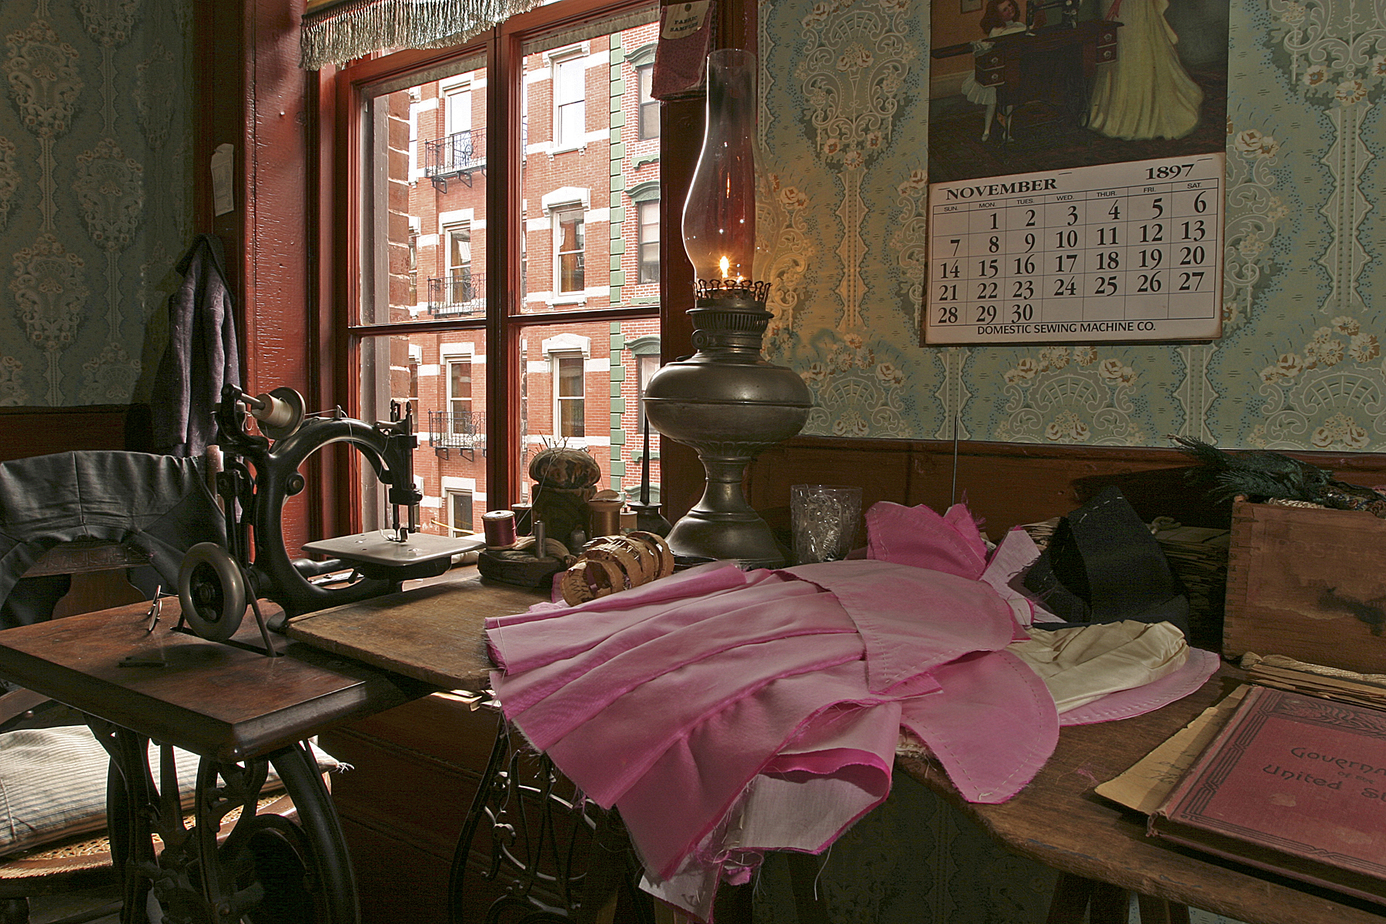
[1145, 93]
[1001, 17]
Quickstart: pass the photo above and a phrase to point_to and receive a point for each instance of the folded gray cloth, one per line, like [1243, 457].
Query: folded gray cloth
[160, 504]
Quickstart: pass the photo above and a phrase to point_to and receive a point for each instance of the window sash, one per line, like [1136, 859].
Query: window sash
[506, 317]
[460, 511]
[648, 237]
[570, 250]
[648, 105]
[570, 394]
[569, 98]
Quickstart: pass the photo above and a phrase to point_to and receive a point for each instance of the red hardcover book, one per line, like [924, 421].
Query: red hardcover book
[1293, 784]
[685, 38]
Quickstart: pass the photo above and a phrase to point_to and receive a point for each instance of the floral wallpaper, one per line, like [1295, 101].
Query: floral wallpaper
[844, 132]
[844, 125]
[95, 198]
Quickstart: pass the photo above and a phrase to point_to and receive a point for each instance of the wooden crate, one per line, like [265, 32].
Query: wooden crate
[1309, 583]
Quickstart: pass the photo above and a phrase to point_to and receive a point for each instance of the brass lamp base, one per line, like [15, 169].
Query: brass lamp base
[729, 405]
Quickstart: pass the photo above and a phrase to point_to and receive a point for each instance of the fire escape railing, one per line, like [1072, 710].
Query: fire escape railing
[458, 155]
[462, 432]
[457, 295]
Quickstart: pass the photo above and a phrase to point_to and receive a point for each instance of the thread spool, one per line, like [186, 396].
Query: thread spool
[524, 515]
[499, 527]
[279, 413]
[605, 516]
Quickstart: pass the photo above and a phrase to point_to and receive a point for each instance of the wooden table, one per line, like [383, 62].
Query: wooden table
[243, 712]
[434, 634]
[217, 700]
[431, 633]
[1059, 821]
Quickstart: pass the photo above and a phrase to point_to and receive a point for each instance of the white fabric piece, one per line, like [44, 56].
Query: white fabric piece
[1084, 663]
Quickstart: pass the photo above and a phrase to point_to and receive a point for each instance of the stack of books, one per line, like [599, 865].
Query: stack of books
[1284, 781]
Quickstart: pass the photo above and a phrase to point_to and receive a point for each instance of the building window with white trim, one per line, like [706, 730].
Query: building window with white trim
[460, 290]
[569, 95]
[649, 106]
[649, 240]
[570, 395]
[460, 396]
[568, 248]
[460, 512]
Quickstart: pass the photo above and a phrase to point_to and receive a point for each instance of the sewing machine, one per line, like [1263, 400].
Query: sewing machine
[260, 472]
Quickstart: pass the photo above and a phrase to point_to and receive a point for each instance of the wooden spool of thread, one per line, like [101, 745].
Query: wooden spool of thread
[499, 526]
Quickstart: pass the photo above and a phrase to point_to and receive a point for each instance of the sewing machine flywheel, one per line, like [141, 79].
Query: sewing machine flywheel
[211, 589]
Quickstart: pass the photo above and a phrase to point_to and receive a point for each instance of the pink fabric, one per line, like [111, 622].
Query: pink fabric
[992, 728]
[759, 681]
[726, 713]
[918, 536]
[939, 616]
[1004, 572]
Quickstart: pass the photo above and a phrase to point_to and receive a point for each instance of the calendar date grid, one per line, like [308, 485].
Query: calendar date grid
[1143, 251]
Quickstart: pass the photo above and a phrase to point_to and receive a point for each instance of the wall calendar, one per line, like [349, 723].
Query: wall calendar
[1120, 251]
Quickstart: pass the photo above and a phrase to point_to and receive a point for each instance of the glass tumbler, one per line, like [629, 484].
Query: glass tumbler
[823, 518]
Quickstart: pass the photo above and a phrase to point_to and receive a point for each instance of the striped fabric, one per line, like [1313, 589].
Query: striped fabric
[53, 784]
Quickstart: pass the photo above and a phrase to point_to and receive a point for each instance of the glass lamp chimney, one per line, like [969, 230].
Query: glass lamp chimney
[719, 215]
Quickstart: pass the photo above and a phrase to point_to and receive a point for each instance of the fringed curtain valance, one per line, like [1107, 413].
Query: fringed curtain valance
[335, 31]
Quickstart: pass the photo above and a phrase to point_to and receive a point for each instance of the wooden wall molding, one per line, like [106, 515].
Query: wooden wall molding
[1007, 484]
[35, 431]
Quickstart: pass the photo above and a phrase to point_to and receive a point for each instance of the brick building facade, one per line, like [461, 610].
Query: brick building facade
[590, 200]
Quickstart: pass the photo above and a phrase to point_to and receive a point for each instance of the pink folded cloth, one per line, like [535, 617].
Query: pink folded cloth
[726, 713]
[677, 707]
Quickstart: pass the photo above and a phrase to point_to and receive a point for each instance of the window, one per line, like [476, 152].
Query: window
[457, 117]
[460, 289]
[460, 512]
[523, 367]
[569, 94]
[649, 106]
[460, 397]
[568, 250]
[646, 366]
[649, 241]
[569, 388]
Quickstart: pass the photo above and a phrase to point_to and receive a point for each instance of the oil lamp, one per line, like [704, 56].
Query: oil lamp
[726, 401]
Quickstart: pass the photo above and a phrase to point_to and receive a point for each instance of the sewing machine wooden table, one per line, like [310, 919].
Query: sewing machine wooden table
[242, 712]
[352, 660]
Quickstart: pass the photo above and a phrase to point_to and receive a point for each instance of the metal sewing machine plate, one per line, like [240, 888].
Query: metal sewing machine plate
[378, 554]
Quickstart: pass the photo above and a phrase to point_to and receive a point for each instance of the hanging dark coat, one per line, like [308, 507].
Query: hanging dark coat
[202, 355]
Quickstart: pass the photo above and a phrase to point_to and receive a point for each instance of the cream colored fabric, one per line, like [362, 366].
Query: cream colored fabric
[1082, 663]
